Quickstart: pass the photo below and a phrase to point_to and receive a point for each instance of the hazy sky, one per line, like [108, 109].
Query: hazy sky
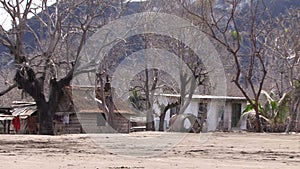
[5, 19]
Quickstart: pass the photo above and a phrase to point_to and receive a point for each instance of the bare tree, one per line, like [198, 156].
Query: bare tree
[242, 33]
[285, 49]
[45, 47]
[155, 81]
[146, 84]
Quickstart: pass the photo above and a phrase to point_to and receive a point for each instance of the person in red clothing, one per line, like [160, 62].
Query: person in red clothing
[16, 123]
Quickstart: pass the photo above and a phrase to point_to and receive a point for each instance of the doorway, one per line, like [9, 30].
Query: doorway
[236, 114]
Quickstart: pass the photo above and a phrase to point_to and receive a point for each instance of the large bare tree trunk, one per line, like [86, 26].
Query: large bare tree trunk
[162, 121]
[55, 40]
[45, 119]
[293, 117]
[34, 87]
[257, 121]
[149, 97]
[163, 115]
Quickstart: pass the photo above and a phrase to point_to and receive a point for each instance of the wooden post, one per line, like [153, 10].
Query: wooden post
[8, 126]
[111, 111]
[4, 125]
[109, 102]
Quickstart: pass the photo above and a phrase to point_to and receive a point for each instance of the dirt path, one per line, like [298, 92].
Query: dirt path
[151, 150]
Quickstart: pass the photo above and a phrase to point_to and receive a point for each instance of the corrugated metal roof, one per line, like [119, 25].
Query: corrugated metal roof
[19, 104]
[24, 112]
[6, 117]
[19, 108]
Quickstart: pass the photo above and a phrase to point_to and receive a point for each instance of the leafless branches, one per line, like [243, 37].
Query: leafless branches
[242, 34]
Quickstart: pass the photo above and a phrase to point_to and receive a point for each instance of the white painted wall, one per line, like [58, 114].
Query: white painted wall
[213, 114]
[192, 108]
[244, 119]
[167, 121]
[227, 116]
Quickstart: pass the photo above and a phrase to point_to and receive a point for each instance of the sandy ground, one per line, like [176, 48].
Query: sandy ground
[151, 150]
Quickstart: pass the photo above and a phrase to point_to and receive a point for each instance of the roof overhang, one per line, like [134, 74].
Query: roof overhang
[212, 97]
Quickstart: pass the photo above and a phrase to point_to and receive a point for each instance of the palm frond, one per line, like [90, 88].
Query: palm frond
[284, 99]
[267, 96]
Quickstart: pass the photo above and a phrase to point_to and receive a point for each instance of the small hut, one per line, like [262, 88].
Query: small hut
[19, 117]
[93, 117]
[5, 119]
[65, 118]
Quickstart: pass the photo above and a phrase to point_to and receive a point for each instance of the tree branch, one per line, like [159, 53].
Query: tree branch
[9, 88]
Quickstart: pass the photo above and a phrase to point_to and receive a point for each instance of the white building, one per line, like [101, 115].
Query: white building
[218, 112]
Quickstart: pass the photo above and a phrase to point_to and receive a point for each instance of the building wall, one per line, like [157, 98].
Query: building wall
[166, 121]
[67, 123]
[219, 114]
[215, 109]
[90, 125]
[192, 108]
[212, 112]
[243, 119]
[121, 123]
[227, 122]
[227, 116]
